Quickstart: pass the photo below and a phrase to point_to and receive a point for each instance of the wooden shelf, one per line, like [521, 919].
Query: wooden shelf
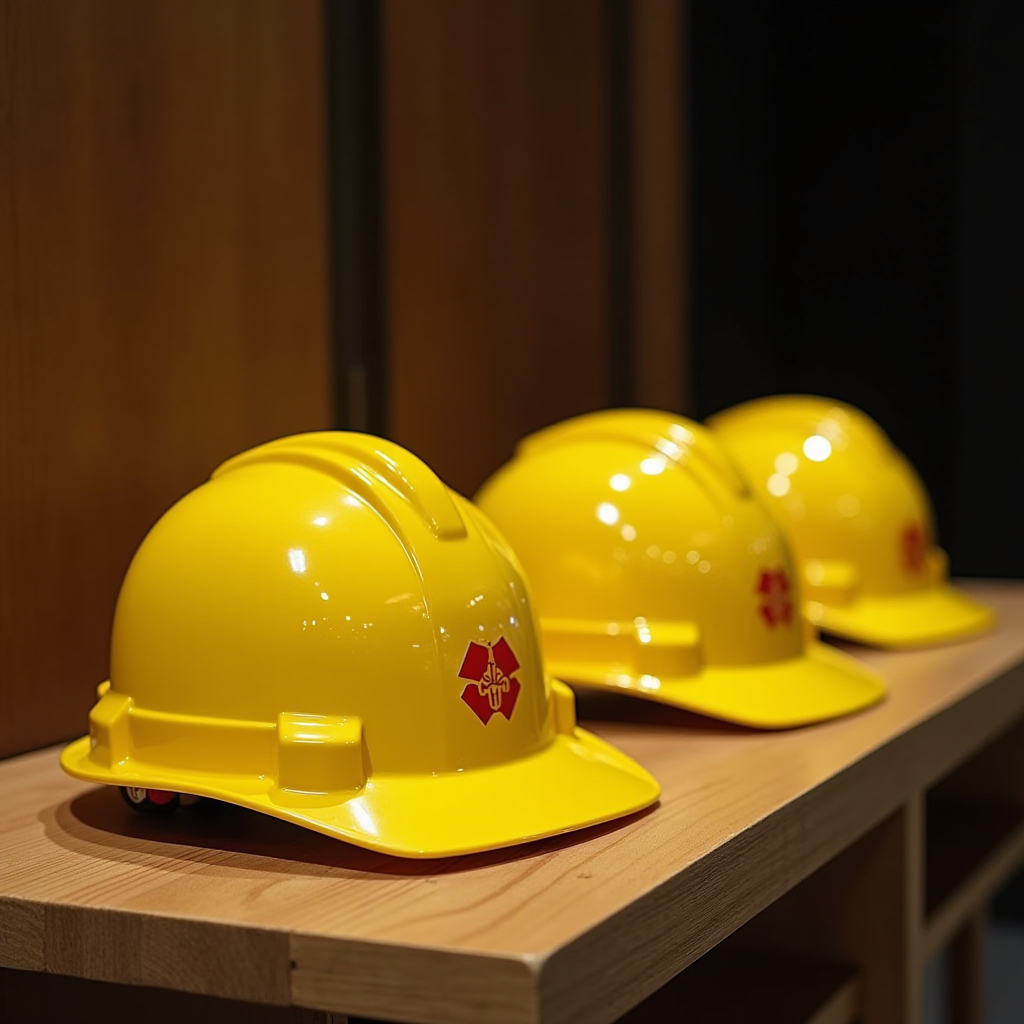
[754, 985]
[582, 927]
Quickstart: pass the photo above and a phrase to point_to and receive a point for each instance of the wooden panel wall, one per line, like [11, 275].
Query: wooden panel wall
[162, 297]
[496, 209]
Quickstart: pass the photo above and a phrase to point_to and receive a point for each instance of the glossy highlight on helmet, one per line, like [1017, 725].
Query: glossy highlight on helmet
[656, 572]
[326, 633]
[857, 517]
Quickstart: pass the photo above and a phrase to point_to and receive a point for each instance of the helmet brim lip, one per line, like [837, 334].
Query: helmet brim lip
[821, 684]
[574, 782]
[939, 614]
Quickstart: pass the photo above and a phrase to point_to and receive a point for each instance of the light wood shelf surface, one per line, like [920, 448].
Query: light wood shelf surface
[230, 903]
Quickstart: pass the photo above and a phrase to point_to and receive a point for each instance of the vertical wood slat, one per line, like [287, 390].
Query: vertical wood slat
[162, 297]
[965, 967]
[352, 30]
[659, 287]
[495, 191]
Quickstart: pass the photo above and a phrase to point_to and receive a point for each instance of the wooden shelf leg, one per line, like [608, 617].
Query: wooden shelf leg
[965, 972]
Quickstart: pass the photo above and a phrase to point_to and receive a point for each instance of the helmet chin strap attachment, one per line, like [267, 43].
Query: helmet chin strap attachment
[302, 755]
[830, 582]
[645, 649]
[320, 754]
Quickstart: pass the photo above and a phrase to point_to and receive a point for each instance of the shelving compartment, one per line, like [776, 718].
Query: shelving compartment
[974, 836]
[831, 950]
[729, 985]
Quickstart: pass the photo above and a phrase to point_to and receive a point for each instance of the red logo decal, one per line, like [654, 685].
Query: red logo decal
[914, 548]
[494, 688]
[775, 604]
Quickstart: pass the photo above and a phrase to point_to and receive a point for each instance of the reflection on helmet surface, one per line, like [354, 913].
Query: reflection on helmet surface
[663, 616]
[372, 671]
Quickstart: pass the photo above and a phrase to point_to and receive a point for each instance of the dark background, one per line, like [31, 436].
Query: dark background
[455, 222]
[858, 232]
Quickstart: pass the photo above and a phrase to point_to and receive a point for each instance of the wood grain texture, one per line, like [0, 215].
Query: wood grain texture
[660, 286]
[495, 194]
[22, 935]
[597, 921]
[232, 963]
[162, 297]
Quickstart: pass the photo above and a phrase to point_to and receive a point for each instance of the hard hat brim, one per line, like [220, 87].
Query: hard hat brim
[821, 684]
[578, 780]
[937, 615]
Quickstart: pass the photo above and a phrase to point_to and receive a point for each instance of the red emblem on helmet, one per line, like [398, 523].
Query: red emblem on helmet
[494, 688]
[914, 549]
[775, 604]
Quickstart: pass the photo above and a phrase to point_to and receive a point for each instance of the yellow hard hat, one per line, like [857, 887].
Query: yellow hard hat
[326, 633]
[655, 572]
[857, 518]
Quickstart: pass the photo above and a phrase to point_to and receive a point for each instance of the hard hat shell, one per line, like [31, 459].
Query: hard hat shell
[326, 633]
[656, 572]
[857, 517]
